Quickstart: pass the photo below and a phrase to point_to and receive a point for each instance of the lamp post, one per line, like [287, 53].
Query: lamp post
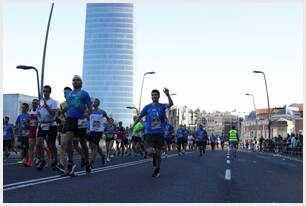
[142, 87]
[28, 68]
[255, 113]
[269, 112]
[133, 108]
[44, 53]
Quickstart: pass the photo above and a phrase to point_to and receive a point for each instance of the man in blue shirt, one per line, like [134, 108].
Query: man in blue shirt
[201, 136]
[155, 114]
[180, 139]
[78, 104]
[8, 136]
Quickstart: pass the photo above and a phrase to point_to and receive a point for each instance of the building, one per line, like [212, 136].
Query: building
[108, 70]
[12, 105]
[284, 120]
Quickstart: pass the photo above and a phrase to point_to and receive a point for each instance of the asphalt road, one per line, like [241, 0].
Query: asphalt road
[213, 178]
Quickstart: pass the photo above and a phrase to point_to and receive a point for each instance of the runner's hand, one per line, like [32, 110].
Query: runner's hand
[166, 91]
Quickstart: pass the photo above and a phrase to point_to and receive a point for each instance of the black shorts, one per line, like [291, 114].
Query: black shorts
[125, 141]
[71, 125]
[136, 139]
[95, 137]
[155, 140]
[180, 141]
[7, 144]
[50, 134]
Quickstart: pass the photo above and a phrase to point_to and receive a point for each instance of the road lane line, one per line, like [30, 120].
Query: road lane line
[228, 161]
[228, 174]
[27, 183]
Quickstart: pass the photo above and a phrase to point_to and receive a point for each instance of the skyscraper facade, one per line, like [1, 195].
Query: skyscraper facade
[108, 70]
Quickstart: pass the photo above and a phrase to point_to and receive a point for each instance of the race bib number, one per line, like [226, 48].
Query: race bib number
[4, 133]
[44, 126]
[33, 123]
[25, 132]
[82, 123]
[156, 124]
[96, 123]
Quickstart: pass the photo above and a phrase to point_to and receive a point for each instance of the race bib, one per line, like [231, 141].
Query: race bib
[82, 123]
[4, 133]
[96, 123]
[119, 140]
[44, 126]
[156, 124]
[33, 123]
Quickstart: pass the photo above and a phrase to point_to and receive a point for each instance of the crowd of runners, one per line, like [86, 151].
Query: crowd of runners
[79, 125]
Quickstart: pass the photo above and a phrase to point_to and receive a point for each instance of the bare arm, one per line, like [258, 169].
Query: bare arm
[170, 102]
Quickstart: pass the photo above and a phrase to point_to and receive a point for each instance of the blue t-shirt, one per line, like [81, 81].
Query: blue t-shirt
[180, 133]
[8, 131]
[155, 118]
[213, 139]
[222, 138]
[76, 102]
[23, 129]
[186, 132]
[201, 135]
[168, 131]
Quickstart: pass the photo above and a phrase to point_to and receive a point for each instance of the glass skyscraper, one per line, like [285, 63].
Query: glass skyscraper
[108, 70]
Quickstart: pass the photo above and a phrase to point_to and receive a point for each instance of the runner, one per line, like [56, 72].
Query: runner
[32, 131]
[110, 130]
[96, 130]
[77, 101]
[8, 136]
[201, 136]
[22, 126]
[137, 137]
[154, 127]
[62, 115]
[47, 128]
[213, 140]
[169, 130]
[180, 139]
[120, 144]
[185, 138]
[222, 138]
[190, 141]
[233, 141]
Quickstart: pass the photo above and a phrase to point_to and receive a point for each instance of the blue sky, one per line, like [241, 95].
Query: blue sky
[204, 52]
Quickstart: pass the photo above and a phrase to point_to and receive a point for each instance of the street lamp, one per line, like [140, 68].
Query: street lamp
[269, 112]
[255, 113]
[28, 68]
[133, 108]
[142, 87]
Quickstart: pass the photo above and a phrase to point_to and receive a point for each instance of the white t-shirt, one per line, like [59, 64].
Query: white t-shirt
[43, 113]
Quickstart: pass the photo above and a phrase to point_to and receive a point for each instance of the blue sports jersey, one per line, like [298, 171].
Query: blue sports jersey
[155, 118]
[168, 131]
[8, 131]
[186, 132]
[23, 129]
[76, 102]
[201, 135]
[213, 139]
[180, 133]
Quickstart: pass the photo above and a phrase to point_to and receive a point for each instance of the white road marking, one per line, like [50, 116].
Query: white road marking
[228, 161]
[228, 174]
[32, 182]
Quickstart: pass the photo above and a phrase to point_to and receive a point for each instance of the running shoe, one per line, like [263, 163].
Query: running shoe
[156, 173]
[60, 168]
[41, 165]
